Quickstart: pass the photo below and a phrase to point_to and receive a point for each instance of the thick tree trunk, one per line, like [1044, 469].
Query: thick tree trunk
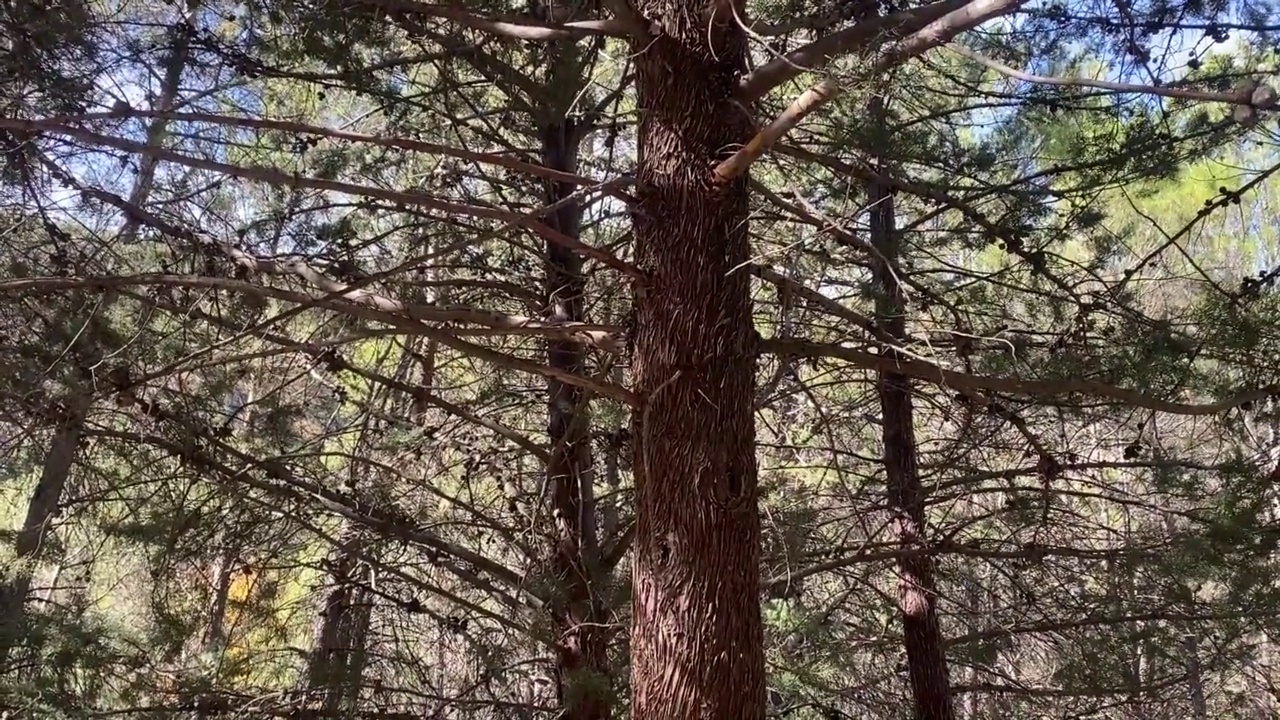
[41, 511]
[696, 634]
[917, 596]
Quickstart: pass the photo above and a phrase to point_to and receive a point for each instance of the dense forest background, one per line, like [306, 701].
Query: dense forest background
[319, 390]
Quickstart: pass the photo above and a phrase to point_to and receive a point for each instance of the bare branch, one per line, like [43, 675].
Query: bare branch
[598, 336]
[931, 372]
[305, 129]
[812, 99]
[818, 53]
[1235, 98]
[632, 22]
[408, 324]
[278, 480]
[930, 36]
[510, 28]
[277, 177]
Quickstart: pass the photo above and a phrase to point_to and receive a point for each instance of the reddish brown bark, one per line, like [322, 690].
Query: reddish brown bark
[917, 596]
[696, 630]
[582, 662]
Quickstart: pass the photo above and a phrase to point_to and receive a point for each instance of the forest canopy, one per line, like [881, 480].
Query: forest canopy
[662, 359]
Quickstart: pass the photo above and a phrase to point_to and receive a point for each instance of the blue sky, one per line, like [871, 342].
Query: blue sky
[137, 85]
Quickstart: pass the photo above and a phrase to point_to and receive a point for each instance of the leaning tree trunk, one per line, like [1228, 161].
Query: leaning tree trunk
[581, 645]
[41, 511]
[917, 596]
[66, 442]
[696, 642]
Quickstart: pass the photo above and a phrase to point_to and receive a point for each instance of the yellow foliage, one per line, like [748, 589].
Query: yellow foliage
[242, 585]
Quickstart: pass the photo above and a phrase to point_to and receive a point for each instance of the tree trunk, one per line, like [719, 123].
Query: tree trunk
[917, 596]
[215, 633]
[1195, 677]
[239, 407]
[179, 51]
[614, 434]
[66, 441]
[336, 665]
[976, 612]
[1264, 691]
[696, 642]
[35, 529]
[1190, 639]
[582, 662]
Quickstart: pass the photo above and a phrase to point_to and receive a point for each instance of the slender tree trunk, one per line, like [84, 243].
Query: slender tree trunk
[1183, 594]
[1264, 690]
[974, 597]
[1195, 677]
[215, 632]
[240, 410]
[157, 129]
[66, 442]
[41, 511]
[357, 643]
[1135, 672]
[917, 596]
[696, 642]
[50, 592]
[582, 662]
[615, 445]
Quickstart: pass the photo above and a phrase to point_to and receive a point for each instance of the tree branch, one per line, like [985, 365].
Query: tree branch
[305, 129]
[931, 35]
[277, 177]
[507, 27]
[324, 354]
[1235, 98]
[409, 325]
[818, 53]
[931, 372]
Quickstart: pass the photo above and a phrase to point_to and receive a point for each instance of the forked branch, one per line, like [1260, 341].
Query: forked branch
[937, 32]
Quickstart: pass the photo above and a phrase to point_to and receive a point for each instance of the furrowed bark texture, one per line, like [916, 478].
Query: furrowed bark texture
[696, 633]
[917, 596]
[582, 661]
